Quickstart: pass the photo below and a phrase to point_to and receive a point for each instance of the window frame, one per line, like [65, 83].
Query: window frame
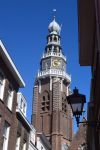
[24, 145]
[2, 82]
[45, 102]
[6, 131]
[18, 141]
[10, 96]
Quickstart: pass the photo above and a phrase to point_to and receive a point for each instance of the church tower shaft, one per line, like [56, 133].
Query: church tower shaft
[51, 113]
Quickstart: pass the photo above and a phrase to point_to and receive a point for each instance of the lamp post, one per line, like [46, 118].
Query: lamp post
[76, 101]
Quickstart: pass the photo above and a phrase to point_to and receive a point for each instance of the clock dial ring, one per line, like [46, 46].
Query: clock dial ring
[56, 63]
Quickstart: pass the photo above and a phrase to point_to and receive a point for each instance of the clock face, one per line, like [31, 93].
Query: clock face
[46, 64]
[56, 63]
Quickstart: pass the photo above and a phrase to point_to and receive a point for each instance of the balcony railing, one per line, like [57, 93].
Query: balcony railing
[53, 42]
[23, 118]
[54, 72]
[54, 54]
[21, 103]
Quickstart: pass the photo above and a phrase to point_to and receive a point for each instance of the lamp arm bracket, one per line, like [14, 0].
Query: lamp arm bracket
[91, 123]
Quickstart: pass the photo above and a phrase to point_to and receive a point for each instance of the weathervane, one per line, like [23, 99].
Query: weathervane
[54, 16]
[54, 12]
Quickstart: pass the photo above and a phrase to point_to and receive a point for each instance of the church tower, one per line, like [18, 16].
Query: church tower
[51, 113]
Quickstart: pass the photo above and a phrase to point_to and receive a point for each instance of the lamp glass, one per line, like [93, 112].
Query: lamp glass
[76, 107]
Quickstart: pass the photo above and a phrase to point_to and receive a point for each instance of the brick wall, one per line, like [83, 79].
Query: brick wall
[10, 115]
[56, 123]
[79, 139]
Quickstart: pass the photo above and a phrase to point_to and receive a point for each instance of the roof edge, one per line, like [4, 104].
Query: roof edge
[11, 65]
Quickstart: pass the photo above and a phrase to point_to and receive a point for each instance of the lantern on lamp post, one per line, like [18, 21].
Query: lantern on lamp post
[76, 101]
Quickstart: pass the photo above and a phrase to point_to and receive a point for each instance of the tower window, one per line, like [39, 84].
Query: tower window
[58, 50]
[48, 97]
[43, 98]
[43, 108]
[55, 39]
[55, 49]
[50, 39]
[48, 50]
[64, 104]
[45, 102]
[47, 107]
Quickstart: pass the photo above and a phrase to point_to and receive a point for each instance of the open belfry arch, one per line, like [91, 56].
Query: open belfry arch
[51, 113]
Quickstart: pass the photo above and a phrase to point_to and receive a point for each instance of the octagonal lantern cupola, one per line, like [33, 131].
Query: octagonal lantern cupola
[53, 61]
[53, 39]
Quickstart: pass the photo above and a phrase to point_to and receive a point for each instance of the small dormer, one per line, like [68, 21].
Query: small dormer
[21, 103]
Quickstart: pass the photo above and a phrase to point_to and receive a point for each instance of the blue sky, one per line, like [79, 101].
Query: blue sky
[23, 30]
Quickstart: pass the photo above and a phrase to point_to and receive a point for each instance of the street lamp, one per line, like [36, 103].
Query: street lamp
[76, 102]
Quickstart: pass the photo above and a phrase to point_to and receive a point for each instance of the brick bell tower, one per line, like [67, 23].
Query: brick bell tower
[51, 113]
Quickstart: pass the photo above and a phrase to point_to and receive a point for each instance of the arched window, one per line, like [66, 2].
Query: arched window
[48, 50]
[58, 50]
[45, 101]
[1, 85]
[55, 49]
[43, 98]
[55, 39]
[50, 39]
[48, 97]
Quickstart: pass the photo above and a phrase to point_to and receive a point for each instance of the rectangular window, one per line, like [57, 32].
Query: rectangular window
[10, 98]
[24, 108]
[1, 86]
[6, 131]
[24, 146]
[18, 143]
[21, 104]
[32, 137]
[1, 82]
